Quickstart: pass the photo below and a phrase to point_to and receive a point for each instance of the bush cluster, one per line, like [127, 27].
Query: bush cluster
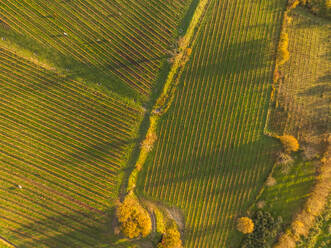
[266, 228]
[318, 7]
[170, 239]
[133, 218]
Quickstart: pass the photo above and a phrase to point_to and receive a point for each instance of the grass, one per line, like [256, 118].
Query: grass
[211, 156]
[319, 234]
[287, 196]
[63, 148]
[119, 45]
[324, 237]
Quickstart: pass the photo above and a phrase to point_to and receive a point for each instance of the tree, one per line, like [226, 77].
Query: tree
[245, 225]
[134, 219]
[290, 143]
[292, 4]
[171, 239]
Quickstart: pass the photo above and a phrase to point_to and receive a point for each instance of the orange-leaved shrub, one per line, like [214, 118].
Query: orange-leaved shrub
[245, 225]
[289, 143]
[134, 219]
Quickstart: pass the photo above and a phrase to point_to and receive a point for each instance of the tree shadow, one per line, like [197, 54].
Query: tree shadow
[131, 62]
[239, 57]
[96, 152]
[231, 169]
[70, 66]
[64, 231]
[317, 90]
[219, 162]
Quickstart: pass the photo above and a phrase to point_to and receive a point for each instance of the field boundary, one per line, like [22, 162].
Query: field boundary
[163, 102]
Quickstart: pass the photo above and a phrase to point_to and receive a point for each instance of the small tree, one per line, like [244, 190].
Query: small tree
[245, 225]
[290, 143]
[134, 219]
[171, 239]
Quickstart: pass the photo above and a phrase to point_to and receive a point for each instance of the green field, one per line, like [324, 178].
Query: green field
[83, 83]
[292, 187]
[65, 146]
[118, 44]
[211, 156]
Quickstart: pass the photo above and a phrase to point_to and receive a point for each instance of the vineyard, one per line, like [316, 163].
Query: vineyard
[157, 120]
[211, 156]
[116, 44]
[304, 80]
[62, 147]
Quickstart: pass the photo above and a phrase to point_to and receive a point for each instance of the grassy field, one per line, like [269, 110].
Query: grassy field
[62, 149]
[118, 44]
[302, 99]
[291, 189]
[211, 156]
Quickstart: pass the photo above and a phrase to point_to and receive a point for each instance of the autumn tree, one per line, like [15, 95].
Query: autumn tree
[245, 225]
[289, 143]
[134, 219]
[171, 239]
[292, 4]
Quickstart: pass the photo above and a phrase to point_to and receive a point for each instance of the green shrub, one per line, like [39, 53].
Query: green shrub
[266, 229]
[318, 7]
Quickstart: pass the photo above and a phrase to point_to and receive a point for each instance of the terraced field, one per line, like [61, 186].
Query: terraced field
[211, 156]
[117, 43]
[62, 147]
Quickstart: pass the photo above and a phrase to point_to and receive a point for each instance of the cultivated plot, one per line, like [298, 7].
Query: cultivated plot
[118, 43]
[62, 147]
[211, 156]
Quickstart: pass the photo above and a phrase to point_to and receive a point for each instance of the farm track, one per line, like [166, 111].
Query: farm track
[211, 156]
[64, 145]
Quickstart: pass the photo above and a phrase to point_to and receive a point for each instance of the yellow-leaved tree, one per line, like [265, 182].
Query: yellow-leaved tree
[134, 219]
[245, 225]
[170, 239]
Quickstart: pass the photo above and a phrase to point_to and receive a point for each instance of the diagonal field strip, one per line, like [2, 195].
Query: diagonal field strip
[211, 155]
[62, 147]
[118, 43]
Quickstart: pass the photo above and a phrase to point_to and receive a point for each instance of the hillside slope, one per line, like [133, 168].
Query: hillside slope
[62, 148]
[211, 155]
